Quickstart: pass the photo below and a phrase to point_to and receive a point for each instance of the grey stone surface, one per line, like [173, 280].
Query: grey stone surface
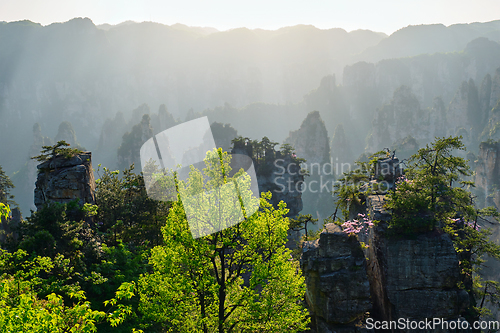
[63, 180]
[389, 169]
[311, 139]
[412, 278]
[337, 284]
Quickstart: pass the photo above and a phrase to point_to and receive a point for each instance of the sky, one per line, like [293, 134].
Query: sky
[377, 15]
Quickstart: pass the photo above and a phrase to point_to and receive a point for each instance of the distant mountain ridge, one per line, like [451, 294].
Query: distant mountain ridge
[428, 39]
[82, 73]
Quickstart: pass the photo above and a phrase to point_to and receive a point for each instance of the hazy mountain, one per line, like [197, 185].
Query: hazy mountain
[429, 39]
[262, 82]
[77, 72]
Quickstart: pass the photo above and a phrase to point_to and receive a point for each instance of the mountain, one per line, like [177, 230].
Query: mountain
[82, 73]
[428, 39]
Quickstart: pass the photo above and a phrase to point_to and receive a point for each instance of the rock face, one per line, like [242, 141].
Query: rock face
[492, 129]
[428, 76]
[66, 133]
[412, 278]
[63, 180]
[340, 148]
[495, 89]
[392, 277]
[278, 173]
[338, 292]
[487, 185]
[470, 113]
[398, 119]
[311, 142]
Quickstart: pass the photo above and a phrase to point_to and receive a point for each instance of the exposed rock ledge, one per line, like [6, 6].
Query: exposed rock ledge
[63, 180]
[394, 278]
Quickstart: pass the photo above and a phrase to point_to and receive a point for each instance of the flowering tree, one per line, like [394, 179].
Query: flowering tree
[355, 226]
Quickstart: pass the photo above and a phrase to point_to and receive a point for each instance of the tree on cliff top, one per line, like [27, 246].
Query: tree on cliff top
[434, 193]
[57, 150]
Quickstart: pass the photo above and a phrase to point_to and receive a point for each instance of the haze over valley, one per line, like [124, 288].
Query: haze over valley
[367, 144]
[101, 79]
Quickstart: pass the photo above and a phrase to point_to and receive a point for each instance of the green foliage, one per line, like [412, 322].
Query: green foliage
[57, 150]
[429, 194]
[238, 279]
[30, 314]
[265, 150]
[487, 291]
[59, 228]
[4, 211]
[435, 194]
[128, 152]
[5, 186]
[122, 311]
[22, 310]
[352, 189]
[300, 224]
[125, 212]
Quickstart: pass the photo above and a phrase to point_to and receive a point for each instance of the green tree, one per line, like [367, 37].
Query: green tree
[21, 308]
[59, 149]
[4, 211]
[5, 187]
[125, 212]
[238, 279]
[429, 194]
[352, 189]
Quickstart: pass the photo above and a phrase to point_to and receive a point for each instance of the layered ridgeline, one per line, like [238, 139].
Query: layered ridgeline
[82, 73]
[103, 80]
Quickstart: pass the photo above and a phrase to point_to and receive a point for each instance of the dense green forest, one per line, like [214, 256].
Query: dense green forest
[98, 252]
[133, 263]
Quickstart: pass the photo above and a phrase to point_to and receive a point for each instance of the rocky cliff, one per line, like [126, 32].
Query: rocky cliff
[392, 278]
[26, 176]
[129, 150]
[311, 142]
[487, 176]
[277, 172]
[412, 278]
[428, 76]
[338, 291]
[340, 148]
[63, 180]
